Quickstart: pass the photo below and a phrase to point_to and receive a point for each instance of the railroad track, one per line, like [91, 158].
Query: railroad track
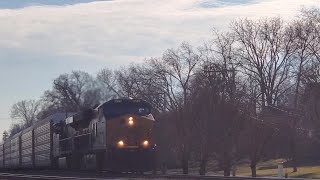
[94, 176]
[39, 177]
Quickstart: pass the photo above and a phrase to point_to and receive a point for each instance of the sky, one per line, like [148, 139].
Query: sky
[40, 39]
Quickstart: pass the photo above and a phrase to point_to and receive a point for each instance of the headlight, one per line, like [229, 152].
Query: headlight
[120, 143]
[130, 121]
[145, 143]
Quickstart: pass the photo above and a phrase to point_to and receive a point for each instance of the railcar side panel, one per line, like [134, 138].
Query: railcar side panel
[55, 145]
[7, 154]
[42, 145]
[1, 156]
[15, 152]
[27, 149]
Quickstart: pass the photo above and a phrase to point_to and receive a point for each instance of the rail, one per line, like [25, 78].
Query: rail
[100, 176]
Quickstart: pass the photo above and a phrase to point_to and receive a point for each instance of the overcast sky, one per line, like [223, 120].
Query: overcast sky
[40, 39]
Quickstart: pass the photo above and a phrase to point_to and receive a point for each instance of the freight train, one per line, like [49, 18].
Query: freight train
[116, 135]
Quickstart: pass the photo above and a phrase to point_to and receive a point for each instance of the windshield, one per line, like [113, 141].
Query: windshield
[115, 110]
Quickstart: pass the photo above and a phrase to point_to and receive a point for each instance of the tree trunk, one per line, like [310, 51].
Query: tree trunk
[253, 167]
[296, 96]
[293, 144]
[227, 166]
[269, 100]
[226, 163]
[185, 162]
[226, 170]
[185, 166]
[203, 166]
[293, 153]
[294, 163]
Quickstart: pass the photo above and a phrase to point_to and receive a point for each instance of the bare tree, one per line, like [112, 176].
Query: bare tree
[303, 43]
[136, 81]
[265, 48]
[175, 71]
[227, 119]
[312, 17]
[148, 87]
[221, 100]
[74, 91]
[25, 111]
[311, 97]
[48, 108]
[256, 134]
[15, 128]
[108, 78]
[201, 111]
[303, 56]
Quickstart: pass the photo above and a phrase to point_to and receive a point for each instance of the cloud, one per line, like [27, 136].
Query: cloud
[12, 4]
[222, 3]
[126, 30]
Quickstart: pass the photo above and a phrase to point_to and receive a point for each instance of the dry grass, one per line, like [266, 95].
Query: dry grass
[264, 169]
[303, 172]
[269, 168]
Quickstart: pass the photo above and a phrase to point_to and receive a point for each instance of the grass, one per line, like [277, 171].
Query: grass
[264, 169]
[269, 168]
[303, 172]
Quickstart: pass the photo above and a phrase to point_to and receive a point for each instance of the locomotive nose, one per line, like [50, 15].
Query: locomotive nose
[131, 131]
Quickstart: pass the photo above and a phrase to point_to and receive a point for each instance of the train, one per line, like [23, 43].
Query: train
[116, 135]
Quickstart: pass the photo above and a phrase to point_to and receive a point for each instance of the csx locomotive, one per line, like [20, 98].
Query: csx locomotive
[116, 135]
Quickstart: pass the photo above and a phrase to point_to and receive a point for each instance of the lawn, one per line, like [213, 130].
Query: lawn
[303, 172]
[267, 168]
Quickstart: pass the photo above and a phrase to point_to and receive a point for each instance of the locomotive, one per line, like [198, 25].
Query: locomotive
[116, 135]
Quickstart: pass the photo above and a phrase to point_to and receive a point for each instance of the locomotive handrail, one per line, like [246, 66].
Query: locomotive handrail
[65, 139]
[82, 135]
